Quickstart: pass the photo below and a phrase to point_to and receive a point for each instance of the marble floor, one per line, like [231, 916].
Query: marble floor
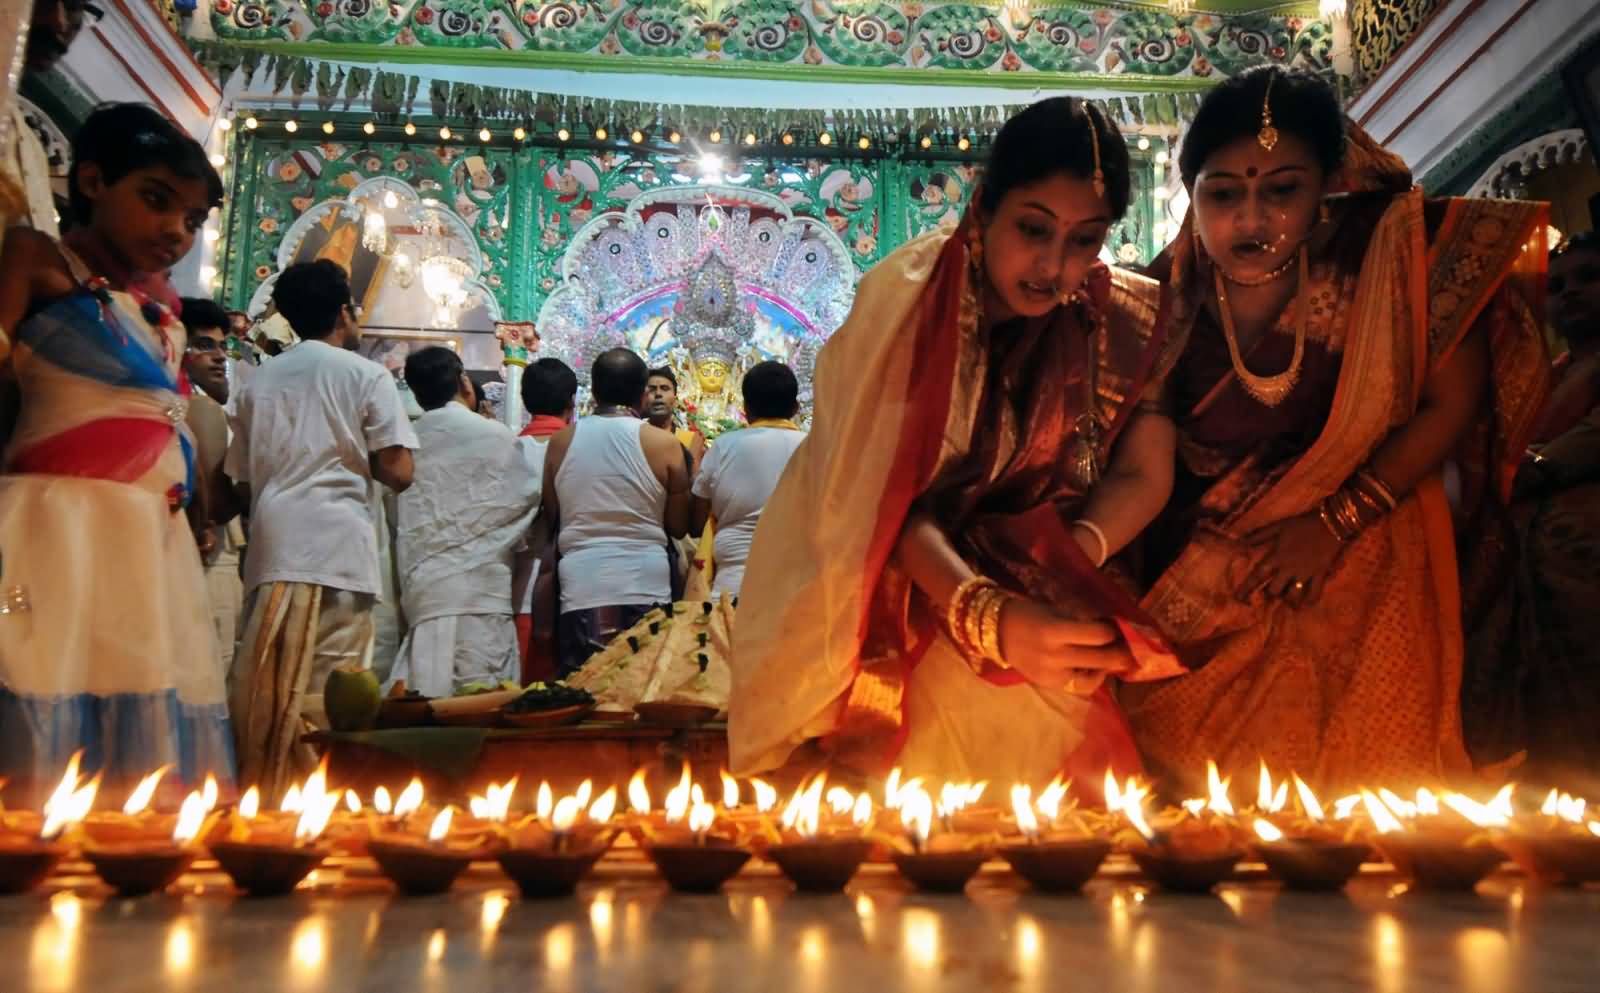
[626, 932]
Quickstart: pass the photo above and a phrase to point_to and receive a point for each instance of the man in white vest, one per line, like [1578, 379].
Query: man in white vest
[616, 488]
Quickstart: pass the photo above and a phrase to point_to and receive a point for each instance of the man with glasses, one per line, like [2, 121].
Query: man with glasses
[316, 426]
[205, 361]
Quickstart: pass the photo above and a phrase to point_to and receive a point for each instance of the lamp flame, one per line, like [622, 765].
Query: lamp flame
[1345, 806]
[1049, 803]
[250, 803]
[566, 813]
[1266, 830]
[891, 790]
[585, 793]
[1594, 828]
[916, 812]
[701, 818]
[861, 814]
[68, 785]
[352, 802]
[840, 801]
[544, 803]
[677, 805]
[1308, 799]
[804, 811]
[1217, 788]
[730, 790]
[602, 809]
[209, 792]
[74, 808]
[1427, 803]
[410, 799]
[1565, 806]
[638, 795]
[139, 799]
[766, 795]
[314, 819]
[1022, 804]
[1480, 814]
[292, 804]
[1401, 808]
[1269, 799]
[440, 829]
[1383, 817]
[381, 801]
[190, 816]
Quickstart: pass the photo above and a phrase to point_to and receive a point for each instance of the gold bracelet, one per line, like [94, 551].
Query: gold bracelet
[1379, 487]
[991, 628]
[1328, 522]
[958, 617]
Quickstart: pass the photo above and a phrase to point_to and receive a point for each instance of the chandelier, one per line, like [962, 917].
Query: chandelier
[444, 279]
[374, 231]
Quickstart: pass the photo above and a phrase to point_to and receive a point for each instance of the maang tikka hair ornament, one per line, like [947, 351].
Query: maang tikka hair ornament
[1268, 135]
[1098, 181]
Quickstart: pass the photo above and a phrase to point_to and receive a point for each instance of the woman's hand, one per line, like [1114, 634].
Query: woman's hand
[1300, 553]
[1052, 650]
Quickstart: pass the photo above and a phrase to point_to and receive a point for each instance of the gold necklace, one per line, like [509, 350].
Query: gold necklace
[1270, 390]
[1258, 280]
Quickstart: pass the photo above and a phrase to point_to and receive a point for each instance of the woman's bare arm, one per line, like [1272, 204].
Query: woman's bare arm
[1136, 484]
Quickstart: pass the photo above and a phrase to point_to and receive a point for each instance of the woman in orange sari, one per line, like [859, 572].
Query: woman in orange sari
[1345, 337]
[923, 586]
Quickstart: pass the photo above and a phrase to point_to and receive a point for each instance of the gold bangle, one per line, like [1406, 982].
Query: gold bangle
[959, 618]
[991, 628]
[1379, 487]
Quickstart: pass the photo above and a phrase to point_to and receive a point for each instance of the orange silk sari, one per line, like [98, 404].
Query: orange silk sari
[1362, 685]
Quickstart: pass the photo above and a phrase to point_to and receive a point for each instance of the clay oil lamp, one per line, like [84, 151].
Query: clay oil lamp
[31, 846]
[1449, 848]
[261, 857]
[141, 866]
[1558, 845]
[548, 859]
[422, 865]
[701, 858]
[1304, 850]
[136, 821]
[942, 862]
[1057, 852]
[820, 846]
[1189, 852]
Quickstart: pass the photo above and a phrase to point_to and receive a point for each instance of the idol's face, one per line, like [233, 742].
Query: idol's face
[1253, 208]
[1040, 243]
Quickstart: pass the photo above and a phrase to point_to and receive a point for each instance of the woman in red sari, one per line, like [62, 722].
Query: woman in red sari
[923, 588]
[1340, 348]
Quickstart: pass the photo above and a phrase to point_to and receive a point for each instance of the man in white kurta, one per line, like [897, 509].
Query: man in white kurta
[469, 505]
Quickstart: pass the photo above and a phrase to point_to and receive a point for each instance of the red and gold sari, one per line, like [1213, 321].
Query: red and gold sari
[1363, 684]
[920, 407]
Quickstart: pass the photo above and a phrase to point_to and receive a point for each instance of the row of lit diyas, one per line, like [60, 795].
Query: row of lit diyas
[818, 839]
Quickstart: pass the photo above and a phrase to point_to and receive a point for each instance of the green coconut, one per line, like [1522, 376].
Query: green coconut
[352, 699]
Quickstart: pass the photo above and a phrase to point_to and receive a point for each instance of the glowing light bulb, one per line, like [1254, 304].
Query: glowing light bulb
[251, 123]
[715, 136]
[926, 142]
[327, 127]
[674, 137]
[444, 134]
[864, 144]
[484, 134]
[963, 144]
[211, 236]
[519, 133]
[563, 134]
[601, 134]
[788, 139]
[290, 126]
[411, 129]
[825, 138]
[1144, 144]
[224, 124]
[219, 160]
[750, 138]
[369, 128]
[636, 137]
